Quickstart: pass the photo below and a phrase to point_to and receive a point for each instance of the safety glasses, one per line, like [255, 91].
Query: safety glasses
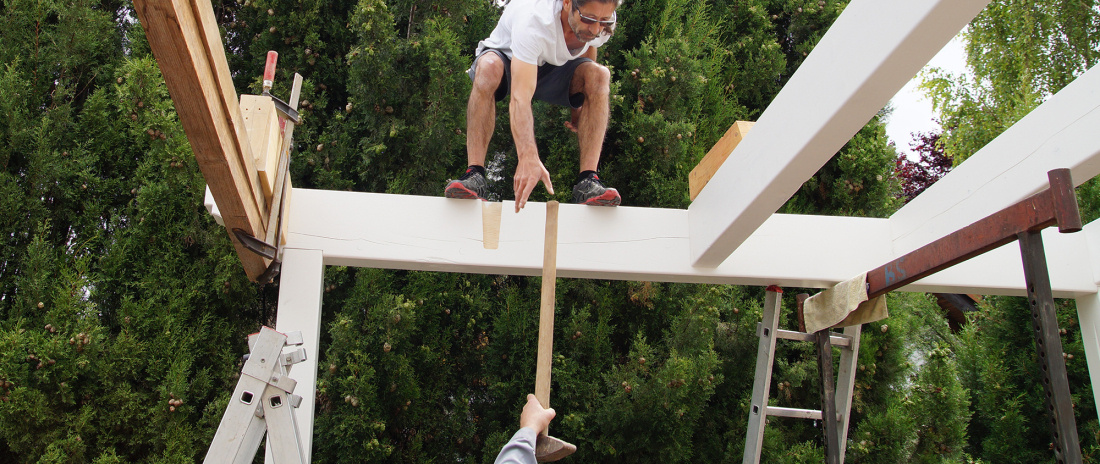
[588, 20]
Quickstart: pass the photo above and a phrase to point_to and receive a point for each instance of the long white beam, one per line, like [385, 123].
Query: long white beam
[867, 55]
[639, 244]
[1060, 133]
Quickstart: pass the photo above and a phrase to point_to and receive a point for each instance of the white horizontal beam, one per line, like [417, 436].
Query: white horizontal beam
[638, 244]
[1060, 133]
[867, 55]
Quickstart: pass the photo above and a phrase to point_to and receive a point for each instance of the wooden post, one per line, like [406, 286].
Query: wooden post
[546, 309]
[548, 448]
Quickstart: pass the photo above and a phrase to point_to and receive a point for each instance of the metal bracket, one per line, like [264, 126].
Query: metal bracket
[254, 244]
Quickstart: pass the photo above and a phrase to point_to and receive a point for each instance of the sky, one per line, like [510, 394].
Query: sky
[912, 111]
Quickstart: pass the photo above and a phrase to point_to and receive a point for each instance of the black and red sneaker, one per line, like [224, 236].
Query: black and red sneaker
[590, 191]
[471, 186]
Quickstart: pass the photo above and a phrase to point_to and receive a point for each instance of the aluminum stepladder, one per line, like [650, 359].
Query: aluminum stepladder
[263, 401]
[836, 402]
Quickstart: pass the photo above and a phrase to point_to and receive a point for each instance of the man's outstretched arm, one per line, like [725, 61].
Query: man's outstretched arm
[529, 169]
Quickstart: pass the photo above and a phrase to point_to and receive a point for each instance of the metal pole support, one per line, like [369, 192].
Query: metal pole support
[1067, 447]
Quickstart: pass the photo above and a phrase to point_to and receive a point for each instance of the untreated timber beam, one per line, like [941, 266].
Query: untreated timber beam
[185, 40]
[1056, 205]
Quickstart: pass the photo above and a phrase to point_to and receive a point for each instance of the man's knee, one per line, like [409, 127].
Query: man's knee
[597, 78]
[487, 74]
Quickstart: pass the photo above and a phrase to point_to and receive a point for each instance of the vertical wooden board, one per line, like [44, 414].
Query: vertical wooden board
[544, 359]
[262, 123]
[716, 156]
[300, 295]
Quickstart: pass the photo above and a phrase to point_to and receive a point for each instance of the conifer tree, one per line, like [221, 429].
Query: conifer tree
[122, 306]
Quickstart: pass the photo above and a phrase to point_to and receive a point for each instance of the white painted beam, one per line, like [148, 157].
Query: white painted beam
[867, 55]
[1088, 310]
[300, 289]
[1060, 133]
[1088, 315]
[639, 244]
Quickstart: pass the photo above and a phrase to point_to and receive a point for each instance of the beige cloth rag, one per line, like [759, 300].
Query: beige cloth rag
[843, 305]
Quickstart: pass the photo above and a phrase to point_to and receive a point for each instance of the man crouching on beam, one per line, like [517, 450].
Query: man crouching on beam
[545, 50]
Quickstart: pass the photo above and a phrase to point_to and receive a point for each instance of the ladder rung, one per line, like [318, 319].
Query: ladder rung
[835, 340]
[794, 412]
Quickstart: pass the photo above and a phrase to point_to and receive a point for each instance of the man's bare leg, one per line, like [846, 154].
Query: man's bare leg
[590, 122]
[481, 108]
[480, 120]
[593, 80]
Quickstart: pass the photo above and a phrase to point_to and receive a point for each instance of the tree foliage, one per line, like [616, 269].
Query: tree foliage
[916, 176]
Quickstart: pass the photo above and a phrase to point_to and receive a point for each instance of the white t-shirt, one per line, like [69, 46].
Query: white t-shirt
[531, 31]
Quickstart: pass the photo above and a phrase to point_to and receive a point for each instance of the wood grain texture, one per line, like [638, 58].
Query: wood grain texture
[717, 155]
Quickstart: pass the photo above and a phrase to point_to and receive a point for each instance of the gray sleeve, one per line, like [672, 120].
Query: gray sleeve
[520, 449]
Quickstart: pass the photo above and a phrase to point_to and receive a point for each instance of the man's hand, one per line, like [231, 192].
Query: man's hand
[529, 173]
[535, 416]
[574, 121]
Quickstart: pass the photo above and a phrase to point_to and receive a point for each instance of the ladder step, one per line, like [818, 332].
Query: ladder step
[794, 412]
[775, 411]
[835, 340]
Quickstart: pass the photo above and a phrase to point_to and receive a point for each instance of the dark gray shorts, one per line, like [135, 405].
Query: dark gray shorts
[552, 85]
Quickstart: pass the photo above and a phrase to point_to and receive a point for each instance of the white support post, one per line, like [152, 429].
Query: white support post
[1088, 314]
[300, 290]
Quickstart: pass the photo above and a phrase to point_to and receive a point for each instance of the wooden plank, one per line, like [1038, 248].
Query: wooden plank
[546, 308]
[175, 39]
[839, 87]
[223, 79]
[717, 155]
[845, 384]
[640, 244]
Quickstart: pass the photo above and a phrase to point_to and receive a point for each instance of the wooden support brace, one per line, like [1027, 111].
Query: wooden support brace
[548, 448]
[716, 156]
